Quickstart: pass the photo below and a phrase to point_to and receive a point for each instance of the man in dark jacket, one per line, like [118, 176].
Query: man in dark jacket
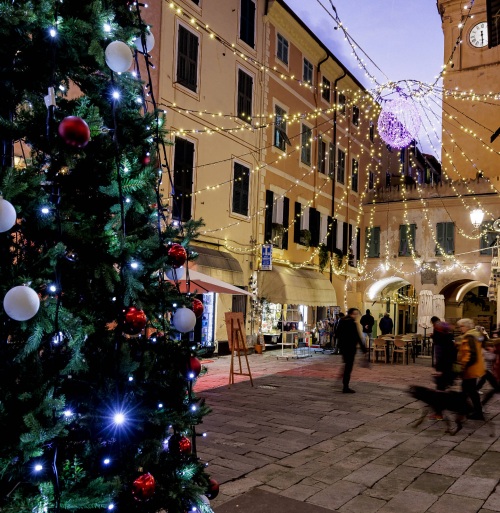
[386, 325]
[349, 334]
[445, 353]
[367, 322]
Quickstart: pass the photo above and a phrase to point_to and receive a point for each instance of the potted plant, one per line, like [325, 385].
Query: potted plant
[305, 238]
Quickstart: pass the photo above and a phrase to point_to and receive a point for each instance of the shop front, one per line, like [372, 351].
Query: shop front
[294, 300]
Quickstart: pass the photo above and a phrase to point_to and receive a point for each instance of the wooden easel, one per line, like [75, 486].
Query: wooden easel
[236, 339]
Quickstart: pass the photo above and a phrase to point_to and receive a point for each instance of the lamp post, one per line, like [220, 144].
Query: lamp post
[476, 217]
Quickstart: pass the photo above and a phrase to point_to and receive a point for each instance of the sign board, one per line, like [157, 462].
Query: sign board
[266, 263]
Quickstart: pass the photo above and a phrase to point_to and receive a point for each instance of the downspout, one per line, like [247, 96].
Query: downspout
[334, 137]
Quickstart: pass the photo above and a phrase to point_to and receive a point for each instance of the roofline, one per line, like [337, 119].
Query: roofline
[315, 37]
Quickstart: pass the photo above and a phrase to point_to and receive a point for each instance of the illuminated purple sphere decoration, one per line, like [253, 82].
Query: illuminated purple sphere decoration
[399, 123]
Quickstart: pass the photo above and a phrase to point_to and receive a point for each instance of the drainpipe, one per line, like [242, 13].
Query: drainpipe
[334, 137]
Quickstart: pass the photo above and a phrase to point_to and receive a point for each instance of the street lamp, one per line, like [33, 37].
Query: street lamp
[476, 217]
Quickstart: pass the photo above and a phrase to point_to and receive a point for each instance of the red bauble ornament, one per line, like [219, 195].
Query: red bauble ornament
[74, 131]
[179, 444]
[143, 487]
[146, 159]
[177, 255]
[213, 489]
[134, 320]
[193, 367]
[197, 307]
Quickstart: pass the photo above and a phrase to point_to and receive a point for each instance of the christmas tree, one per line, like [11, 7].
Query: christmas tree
[97, 410]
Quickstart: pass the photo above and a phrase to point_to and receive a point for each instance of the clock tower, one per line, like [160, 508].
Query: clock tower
[471, 96]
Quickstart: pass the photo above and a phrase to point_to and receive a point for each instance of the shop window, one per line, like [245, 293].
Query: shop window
[372, 241]
[245, 93]
[325, 93]
[280, 137]
[247, 22]
[354, 175]
[306, 139]
[340, 166]
[241, 185]
[307, 73]
[187, 59]
[407, 239]
[321, 155]
[445, 237]
[183, 179]
[282, 49]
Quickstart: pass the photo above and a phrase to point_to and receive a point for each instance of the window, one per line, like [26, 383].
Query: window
[445, 235]
[187, 59]
[325, 93]
[488, 238]
[321, 155]
[245, 92]
[371, 180]
[280, 136]
[282, 51]
[247, 22]
[331, 160]
[407, 239]
[341, 104]
[372, 131]
[355, 115]
[241, 185]
[307, 74]
[197, 2]
[354, 175]
[372, 241]
[340, 166]
[183, 179]
[276, 220]
[305, 152]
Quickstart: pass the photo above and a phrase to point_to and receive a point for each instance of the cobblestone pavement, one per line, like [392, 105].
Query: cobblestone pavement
[295, 437]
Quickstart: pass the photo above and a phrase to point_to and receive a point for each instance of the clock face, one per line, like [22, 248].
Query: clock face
[478, 36]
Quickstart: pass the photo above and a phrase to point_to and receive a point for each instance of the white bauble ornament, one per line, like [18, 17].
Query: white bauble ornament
[150, 42]
[176, 274]
[8, 215]
[184, 320]
[119, 56]
[21, 303]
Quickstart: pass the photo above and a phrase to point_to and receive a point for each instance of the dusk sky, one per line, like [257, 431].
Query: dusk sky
[403, 37]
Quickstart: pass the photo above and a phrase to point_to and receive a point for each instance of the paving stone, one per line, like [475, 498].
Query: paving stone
[239, 487]
[486, 466]
[432, 483]
[475, 487]
[405, 473]
[331, 474]
[472, 448]
[450, 465]
[386, 488]
[335, 496]
[454, 503]
[301, 491]
[267, 473]
[493, 501]
[409, 501]
[362, 503]
[369, 474]
[301, 457]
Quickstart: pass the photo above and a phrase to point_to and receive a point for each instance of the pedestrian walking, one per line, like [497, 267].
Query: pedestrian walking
[445, 353]
[349, 335]
[472, 365]
[386, 325]
[367, 321]
[489, 356]
[338, 317]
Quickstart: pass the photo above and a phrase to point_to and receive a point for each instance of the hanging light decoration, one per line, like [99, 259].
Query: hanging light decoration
[399, 122]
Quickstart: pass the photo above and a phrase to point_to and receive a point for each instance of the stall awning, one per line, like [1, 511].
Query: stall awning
[296, 287]
[218, 264]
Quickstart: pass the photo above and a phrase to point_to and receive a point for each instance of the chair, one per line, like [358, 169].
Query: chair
[399, 348]
[379, 346]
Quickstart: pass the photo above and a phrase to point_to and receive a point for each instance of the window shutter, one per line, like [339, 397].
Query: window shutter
[440, 236]
[286, 222]
[376, 241]
[332, 228]
[187, 59]
[245, 91]
[314, 220]
[403, 242]
[358, 246]
[268, 219]
[450, 238]
[183, 179]
[247, 22]
[296, 226]
[345, 238]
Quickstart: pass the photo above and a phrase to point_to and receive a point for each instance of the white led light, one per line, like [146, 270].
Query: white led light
[53, 32]
[107, 27]
[116, 95]
[119, 418]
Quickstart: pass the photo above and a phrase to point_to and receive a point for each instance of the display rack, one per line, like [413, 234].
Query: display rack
[296, 340]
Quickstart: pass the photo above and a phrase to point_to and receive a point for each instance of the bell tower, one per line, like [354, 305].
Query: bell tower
[471, 87]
